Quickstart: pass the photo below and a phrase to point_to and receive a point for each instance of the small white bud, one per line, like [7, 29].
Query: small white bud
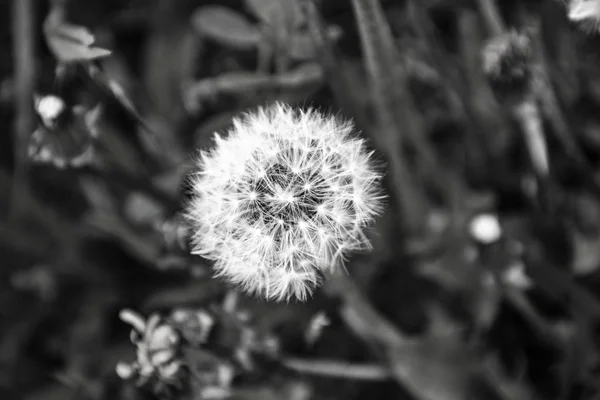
[485, 228]
[49, 108]
[302, 181]
[124, 370]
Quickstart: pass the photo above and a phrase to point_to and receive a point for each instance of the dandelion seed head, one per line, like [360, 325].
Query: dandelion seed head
[282, 198]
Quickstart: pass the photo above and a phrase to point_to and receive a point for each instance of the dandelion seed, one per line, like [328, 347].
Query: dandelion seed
[282, 199]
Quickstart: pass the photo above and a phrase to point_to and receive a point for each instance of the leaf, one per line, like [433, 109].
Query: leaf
[276, 12]
[437, 366]
[226, 26]
[301, 45]
[281, 21]
[70, 43]
[142, 210]
[399, 122]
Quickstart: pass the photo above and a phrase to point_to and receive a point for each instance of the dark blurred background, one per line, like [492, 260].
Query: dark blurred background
[483, 277]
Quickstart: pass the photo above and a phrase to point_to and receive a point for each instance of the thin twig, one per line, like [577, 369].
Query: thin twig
[338, 369]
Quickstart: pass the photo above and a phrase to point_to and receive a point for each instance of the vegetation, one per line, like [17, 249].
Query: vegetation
[482, 278]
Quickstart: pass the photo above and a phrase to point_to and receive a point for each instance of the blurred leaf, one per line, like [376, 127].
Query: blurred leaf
[39, 279]
[116, 153]
[507, 388]
[486, 299]
[396, 108]
[281, 22]
[585, 233]
[302, 47]
[293, 390]
[195, 292]
[448, 255]
[143, 210]
[171, 263]
[245, 83]
[144, 247]
[171, 181]
[116, 90]
[176, 233]
[70, 43]
[277, 12]
[586, 257]
[98, 195]
[438, 366]
[203, 137]
[226, 26]
[400, 126]
[169, 61]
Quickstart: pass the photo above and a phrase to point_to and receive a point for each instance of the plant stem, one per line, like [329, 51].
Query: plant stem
[25, 72]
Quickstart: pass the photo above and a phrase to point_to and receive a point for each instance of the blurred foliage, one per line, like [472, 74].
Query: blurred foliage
[482, 280]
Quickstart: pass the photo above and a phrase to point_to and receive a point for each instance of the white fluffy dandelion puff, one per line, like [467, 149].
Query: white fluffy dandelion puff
[283, 199]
